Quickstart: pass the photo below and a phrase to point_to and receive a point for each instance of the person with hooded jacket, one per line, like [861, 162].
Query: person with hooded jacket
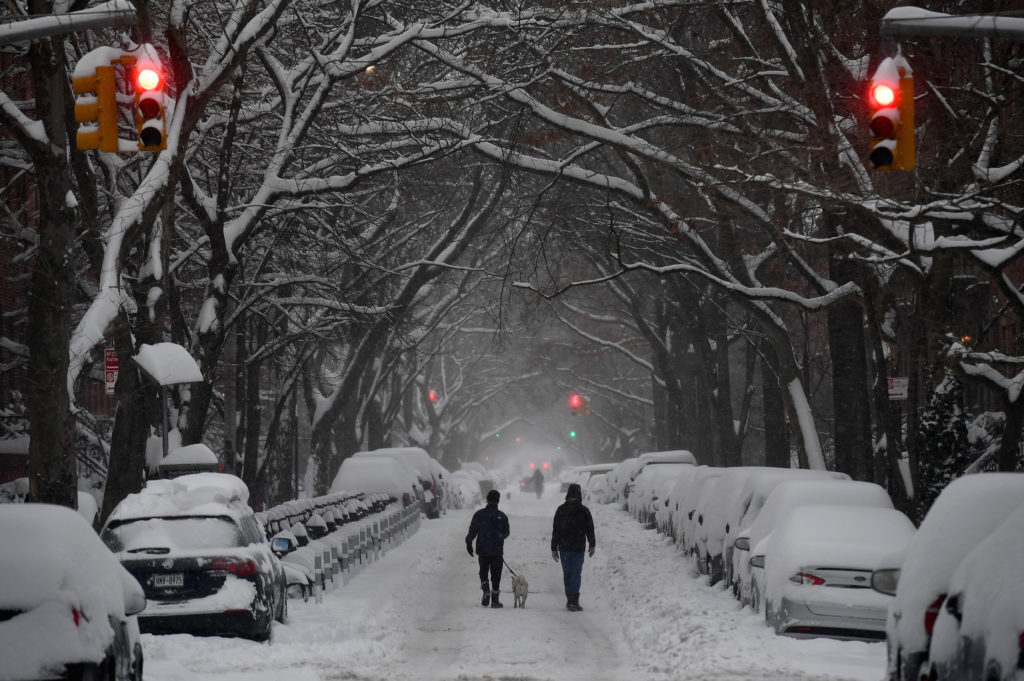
[572, 530]
[489, 527]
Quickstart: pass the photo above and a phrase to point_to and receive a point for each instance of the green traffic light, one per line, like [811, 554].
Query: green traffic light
[572, 433]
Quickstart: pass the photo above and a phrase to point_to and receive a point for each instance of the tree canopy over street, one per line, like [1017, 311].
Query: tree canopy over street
[666, 206]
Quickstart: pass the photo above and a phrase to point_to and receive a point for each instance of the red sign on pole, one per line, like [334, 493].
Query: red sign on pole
[110, 369]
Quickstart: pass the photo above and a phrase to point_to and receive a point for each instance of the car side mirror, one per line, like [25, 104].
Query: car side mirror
[885, 580]
[282, 545]
[757, 561]
[134, 597]
[742, 543]
[953, 607]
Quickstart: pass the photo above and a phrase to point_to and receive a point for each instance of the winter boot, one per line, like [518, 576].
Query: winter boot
[574, 603]
[486, 600]
[568, 602]
[495, 603]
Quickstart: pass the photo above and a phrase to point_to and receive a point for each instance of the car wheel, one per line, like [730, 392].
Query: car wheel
[103, 671]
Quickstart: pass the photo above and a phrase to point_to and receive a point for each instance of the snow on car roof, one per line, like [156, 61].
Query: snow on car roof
[195, 494]
[374, 474]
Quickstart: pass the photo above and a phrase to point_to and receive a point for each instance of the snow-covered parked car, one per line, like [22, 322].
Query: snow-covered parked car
[382, 474]
[979, 634]
[744, 507]
[683, 500]
[818, 571]
[201, 556]
[653, 484]
[596, 490]
[67, 607]
[964, 513]
[756, 540]
[419, 462]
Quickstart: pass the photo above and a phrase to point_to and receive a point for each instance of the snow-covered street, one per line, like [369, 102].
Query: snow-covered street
[416, 614]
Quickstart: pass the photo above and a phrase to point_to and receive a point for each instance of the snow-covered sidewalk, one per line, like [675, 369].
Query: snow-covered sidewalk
[416, 615]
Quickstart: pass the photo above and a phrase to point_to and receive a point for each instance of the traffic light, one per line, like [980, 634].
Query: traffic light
[150, 107]
[432, 396]
[100, 109]
[891, 104]
[585, 409]
[572, 433]
[575, 401]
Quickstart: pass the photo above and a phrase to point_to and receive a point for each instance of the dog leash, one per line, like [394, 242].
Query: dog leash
[510, 570]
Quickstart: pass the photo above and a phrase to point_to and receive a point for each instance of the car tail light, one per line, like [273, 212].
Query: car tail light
[931, 613]
[807, 578]
[239, 567]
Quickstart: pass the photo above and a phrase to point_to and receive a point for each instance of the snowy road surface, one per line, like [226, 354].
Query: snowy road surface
[416, 615]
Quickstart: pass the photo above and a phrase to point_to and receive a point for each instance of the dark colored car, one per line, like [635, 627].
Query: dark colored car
[67, 608]
[201, 557]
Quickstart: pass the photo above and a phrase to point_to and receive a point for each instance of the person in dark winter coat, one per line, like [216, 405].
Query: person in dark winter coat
[489, 528]
[572, 530]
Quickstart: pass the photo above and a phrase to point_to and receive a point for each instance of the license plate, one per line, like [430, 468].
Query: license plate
[173, 579]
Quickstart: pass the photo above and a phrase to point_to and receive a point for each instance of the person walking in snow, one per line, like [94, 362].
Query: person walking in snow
[489, 528]
[572, 530]
[538, 482]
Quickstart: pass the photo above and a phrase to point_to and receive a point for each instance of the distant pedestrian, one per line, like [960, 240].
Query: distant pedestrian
[489, 528]
[538, 482]
[572, 530]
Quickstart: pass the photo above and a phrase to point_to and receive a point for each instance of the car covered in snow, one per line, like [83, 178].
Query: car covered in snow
[818, 571]
[653, 483]
[381, 474]
[201, 556]
[979, 633]
[757, 539]
[964, 514]
[67, 607]
[419, 462]
[742, 508]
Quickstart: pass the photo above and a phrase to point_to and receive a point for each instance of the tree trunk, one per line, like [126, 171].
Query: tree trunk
[776, 433]
[52, 468]
[852, 415]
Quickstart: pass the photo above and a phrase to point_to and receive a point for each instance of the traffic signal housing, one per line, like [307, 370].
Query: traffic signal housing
[575, 402]
[150, 107]
[99, 109]
[891, 106]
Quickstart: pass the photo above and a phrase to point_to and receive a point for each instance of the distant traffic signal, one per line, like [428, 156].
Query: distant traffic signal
[150, 107]
[891, 106]
[432, 396]
[100, 109]
[575, 401]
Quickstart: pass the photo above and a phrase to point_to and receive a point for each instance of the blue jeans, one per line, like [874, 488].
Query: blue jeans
[572, 568]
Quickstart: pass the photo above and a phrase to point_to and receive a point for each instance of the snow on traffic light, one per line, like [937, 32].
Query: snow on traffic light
[98, 111]
[891, 105]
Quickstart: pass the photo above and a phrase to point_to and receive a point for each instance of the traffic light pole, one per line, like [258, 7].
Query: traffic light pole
[112, 13]
[916, 21]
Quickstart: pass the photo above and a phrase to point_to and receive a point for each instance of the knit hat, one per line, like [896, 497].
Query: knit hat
[493, 497]
[574, 492]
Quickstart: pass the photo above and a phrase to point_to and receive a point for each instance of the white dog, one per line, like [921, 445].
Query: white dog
[520, 589]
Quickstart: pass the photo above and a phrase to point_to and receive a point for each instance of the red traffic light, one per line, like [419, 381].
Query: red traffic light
[883, 95]
[432, 396]
[149, 107]
[147, 78]
[575, 401]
